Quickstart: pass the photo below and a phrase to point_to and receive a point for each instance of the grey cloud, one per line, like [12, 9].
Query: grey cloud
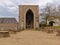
[5, 12]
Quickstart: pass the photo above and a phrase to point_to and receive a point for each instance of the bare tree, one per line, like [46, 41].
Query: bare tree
[49, 11]
[58, 10]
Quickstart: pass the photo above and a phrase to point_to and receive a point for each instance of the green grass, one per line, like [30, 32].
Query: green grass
[56, 26]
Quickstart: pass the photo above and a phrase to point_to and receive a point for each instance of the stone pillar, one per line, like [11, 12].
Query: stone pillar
[37, 25]
[22, 24]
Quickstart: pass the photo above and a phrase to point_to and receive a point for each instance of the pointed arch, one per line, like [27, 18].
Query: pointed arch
[29, 19]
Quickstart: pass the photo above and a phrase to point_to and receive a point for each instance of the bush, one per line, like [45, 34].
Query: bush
[56, 26]
[43, 25]
[37, 29]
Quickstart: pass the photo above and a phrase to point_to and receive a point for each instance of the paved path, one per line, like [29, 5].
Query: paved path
[31, 38]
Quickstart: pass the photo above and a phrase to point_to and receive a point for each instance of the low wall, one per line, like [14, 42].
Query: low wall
[8, 26]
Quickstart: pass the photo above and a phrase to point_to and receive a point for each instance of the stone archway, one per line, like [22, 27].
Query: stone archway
[29, 19]
[28, 16]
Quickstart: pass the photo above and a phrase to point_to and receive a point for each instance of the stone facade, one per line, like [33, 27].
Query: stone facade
[8, 24]
[23, 9]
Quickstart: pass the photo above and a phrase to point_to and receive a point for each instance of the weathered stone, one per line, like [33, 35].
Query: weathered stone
[4, 34]
[27, 11]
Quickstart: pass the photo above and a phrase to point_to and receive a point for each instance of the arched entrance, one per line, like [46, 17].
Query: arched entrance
[29, 19]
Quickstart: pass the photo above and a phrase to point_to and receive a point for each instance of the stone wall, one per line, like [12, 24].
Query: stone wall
[8, 26]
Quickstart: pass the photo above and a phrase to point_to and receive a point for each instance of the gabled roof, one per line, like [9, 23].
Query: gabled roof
[8, 20]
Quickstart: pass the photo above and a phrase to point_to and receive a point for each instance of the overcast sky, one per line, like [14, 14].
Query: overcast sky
[9, 8]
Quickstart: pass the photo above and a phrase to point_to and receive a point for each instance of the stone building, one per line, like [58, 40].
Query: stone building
[28, 16]
[8, 23]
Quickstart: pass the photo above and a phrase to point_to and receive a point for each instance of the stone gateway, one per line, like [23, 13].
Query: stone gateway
[28, 17]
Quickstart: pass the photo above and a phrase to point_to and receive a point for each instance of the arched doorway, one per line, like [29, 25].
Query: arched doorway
[29, 19]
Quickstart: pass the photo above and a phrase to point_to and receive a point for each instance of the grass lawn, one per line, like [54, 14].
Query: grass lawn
[56, 26]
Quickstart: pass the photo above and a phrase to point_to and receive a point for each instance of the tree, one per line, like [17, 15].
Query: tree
[50, 11]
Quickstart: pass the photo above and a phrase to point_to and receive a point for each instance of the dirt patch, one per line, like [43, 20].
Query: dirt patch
[31, 38]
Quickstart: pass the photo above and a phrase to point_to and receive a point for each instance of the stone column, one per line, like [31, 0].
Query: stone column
[37, 25]
[22, 24]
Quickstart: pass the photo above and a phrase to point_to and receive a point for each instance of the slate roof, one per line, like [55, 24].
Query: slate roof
[8, 20]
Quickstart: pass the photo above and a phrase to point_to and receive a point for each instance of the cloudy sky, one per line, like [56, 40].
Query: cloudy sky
[9, 8]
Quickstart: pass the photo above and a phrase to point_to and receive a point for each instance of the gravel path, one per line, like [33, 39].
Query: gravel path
[31, 38]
